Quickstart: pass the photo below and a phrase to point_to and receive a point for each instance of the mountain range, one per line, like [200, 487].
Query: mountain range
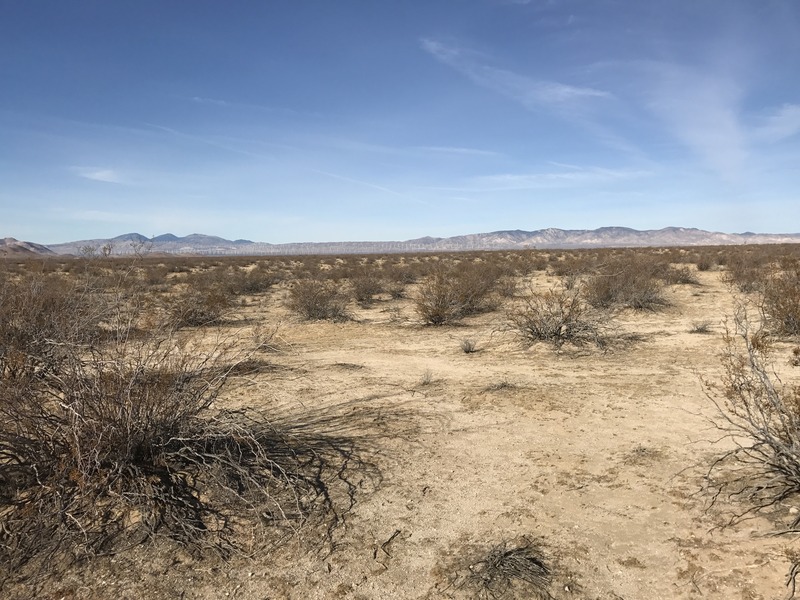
[199, 244]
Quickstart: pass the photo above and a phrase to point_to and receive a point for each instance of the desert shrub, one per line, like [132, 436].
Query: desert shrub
[781, 300]
[437, 300]
[257, 280]
[37, 314]
[795, 359]
[572, 265]
[704, 263]
[451, 293]
[509, 569]
[318, 299]
[630, 280]
[700, 327]
[198, 306]
[109, 441]
[760, 416]
[366, 284]
[558, 317]
[682, 275]
[507, 286]
[745, 270]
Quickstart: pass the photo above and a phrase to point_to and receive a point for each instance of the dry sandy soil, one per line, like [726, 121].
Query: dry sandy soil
[597, 457]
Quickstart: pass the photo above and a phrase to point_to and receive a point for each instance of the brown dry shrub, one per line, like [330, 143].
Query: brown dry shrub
[760, 415]
[108, 441]
[314, 299]
[366, 283]
[197, 306]
[451, 293]
[631, 280]
[558, 317]
[746, 270]
[682, 275]
[781, 300]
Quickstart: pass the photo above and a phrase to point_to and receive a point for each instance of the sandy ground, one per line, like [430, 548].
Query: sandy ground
[599, 457]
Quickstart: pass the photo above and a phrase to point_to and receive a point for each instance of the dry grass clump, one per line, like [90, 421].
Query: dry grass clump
[558, 317]
[509, 569]
[317, 299]
[700, 327]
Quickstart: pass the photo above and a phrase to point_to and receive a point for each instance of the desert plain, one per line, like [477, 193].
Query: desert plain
[472, 440]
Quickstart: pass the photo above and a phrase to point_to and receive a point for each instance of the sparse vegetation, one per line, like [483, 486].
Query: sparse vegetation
[701, 327]
[205, 440]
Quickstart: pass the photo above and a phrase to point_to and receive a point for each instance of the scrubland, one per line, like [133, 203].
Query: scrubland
[597, 424]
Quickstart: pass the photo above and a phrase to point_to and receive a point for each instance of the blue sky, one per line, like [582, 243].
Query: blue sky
[289, 121]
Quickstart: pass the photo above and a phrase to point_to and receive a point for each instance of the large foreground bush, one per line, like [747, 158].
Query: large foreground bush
[108, 439]
[759, 416]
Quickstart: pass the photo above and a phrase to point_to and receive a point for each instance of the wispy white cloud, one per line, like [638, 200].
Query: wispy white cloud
[103, 175]
[779, 124]
[252, 106]
[209, 141]
[701, 108]
[457, 150]
[214, 101]
[572, 177]
[357, 182]
[533, 94]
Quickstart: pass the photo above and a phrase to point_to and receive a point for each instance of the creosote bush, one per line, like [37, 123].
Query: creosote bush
[630, 280]
[449, 294]
[746, 270]
[558, 316]
[316, 299]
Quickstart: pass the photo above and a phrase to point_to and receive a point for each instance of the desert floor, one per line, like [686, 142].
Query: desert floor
[597, 457]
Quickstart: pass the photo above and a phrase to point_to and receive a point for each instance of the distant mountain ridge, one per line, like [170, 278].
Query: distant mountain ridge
[13, 247]
[199, 244]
